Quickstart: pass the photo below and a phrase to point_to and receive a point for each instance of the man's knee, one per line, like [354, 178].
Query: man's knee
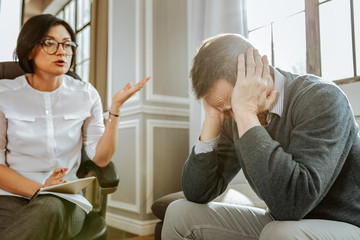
[177, 218]
[176, 211]
[282, 230]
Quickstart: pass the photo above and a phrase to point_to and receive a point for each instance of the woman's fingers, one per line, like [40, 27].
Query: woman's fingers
[59, 173]
[56, 177]
[138, 86]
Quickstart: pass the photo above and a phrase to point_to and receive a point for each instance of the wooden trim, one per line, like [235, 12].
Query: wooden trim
[347, 80]
[312, 21]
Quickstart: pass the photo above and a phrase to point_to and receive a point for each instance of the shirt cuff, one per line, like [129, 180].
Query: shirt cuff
[2, 157]
[207, 146]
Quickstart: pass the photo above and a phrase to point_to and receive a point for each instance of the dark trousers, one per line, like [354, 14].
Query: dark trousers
[46, 217]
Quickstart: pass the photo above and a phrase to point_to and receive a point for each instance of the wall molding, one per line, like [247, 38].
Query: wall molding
[141, 228]
[150, 96]
[138, 30]
[123, 205]
[151, 124]
[167, 111]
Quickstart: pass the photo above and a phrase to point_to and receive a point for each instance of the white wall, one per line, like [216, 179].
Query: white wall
[148, 38]
[10, 20]
[352, 92]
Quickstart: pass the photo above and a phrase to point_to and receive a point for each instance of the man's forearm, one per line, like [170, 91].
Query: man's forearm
[210, 129]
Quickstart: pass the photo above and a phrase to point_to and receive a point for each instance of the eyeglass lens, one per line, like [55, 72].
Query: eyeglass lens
[52, 46]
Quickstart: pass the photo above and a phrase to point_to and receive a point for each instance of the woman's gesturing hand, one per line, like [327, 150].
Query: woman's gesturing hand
[129, 90]
[56, 177]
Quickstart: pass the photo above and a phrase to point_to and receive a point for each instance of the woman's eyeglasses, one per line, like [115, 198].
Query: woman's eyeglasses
[51, 46]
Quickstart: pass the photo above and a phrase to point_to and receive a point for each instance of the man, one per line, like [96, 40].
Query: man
[295, 138]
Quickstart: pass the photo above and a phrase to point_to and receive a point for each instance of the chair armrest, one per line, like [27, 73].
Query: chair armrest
[106, 176]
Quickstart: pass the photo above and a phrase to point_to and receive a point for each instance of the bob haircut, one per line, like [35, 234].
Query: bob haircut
[217, 59]
[33, 32]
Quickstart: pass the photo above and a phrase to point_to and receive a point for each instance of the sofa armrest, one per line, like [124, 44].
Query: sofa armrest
[160, 205]
[240, 194]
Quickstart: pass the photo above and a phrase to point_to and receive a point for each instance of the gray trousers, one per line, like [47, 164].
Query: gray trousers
[187, 220]
[46, 217]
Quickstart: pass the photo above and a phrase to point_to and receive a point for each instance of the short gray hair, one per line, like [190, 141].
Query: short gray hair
[217, 59]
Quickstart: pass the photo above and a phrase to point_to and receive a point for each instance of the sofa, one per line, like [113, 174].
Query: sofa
[240, 193]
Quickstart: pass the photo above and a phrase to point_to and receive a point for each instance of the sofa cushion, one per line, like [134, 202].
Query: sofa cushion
[240, 194]
[159, 206]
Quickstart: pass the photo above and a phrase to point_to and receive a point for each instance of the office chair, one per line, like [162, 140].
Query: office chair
[94, 226]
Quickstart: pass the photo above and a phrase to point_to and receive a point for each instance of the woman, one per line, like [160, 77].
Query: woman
[45, 117]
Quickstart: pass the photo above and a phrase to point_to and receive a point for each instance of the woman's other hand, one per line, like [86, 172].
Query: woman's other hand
[56, 177]
[124, 94]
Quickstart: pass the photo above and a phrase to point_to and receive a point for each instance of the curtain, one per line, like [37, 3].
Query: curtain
[207, 18]
[99, 47]
[98, 67]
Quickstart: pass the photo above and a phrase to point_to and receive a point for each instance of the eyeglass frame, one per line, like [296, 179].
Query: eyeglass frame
[74, 45]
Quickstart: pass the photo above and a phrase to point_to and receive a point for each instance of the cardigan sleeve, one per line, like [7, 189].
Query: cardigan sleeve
[206, 175]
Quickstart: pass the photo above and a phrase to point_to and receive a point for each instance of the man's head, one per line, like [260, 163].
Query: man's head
[215, 60]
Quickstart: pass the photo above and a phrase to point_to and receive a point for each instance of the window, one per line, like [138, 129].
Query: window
[10, 22]
[304, 36]
[279, 32]
[77, 13]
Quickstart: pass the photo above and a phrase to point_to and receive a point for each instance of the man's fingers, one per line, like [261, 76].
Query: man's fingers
[266, 68]
[241, 67]
[271, 99]
[250, 62]
[258, 64]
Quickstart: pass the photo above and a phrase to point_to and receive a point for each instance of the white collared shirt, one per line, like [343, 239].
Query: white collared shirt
[41, 131]
[279, 81]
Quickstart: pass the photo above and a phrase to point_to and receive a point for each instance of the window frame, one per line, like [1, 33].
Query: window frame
[312, 38]
[313, 52]
[77, 30]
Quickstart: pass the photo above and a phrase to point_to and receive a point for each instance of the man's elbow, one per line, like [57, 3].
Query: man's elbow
[287, 215]
[196, 196]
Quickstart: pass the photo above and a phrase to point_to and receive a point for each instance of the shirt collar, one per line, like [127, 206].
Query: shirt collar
[279, 81]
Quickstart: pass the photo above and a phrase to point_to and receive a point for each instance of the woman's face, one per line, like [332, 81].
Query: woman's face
[54, 64]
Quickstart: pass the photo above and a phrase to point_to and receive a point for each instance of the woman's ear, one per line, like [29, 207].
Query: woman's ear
[31, 54]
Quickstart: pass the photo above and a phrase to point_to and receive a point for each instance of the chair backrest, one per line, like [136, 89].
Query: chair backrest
[12, 70]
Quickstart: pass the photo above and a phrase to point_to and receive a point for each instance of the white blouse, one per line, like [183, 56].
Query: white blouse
[41, 131]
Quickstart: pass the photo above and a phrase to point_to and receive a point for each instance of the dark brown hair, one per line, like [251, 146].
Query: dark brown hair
[32, 32]
[217, 59]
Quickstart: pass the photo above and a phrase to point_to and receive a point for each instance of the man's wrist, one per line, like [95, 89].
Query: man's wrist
[211, 128]
[205, 147]
[245, 121]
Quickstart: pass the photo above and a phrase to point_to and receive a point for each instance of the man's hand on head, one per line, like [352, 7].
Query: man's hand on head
[251, 94]
[213, 122]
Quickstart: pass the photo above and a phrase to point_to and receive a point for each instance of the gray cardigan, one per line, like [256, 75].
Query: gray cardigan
[305, 164]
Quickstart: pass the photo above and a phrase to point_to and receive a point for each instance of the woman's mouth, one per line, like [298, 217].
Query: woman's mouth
[60, 62]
